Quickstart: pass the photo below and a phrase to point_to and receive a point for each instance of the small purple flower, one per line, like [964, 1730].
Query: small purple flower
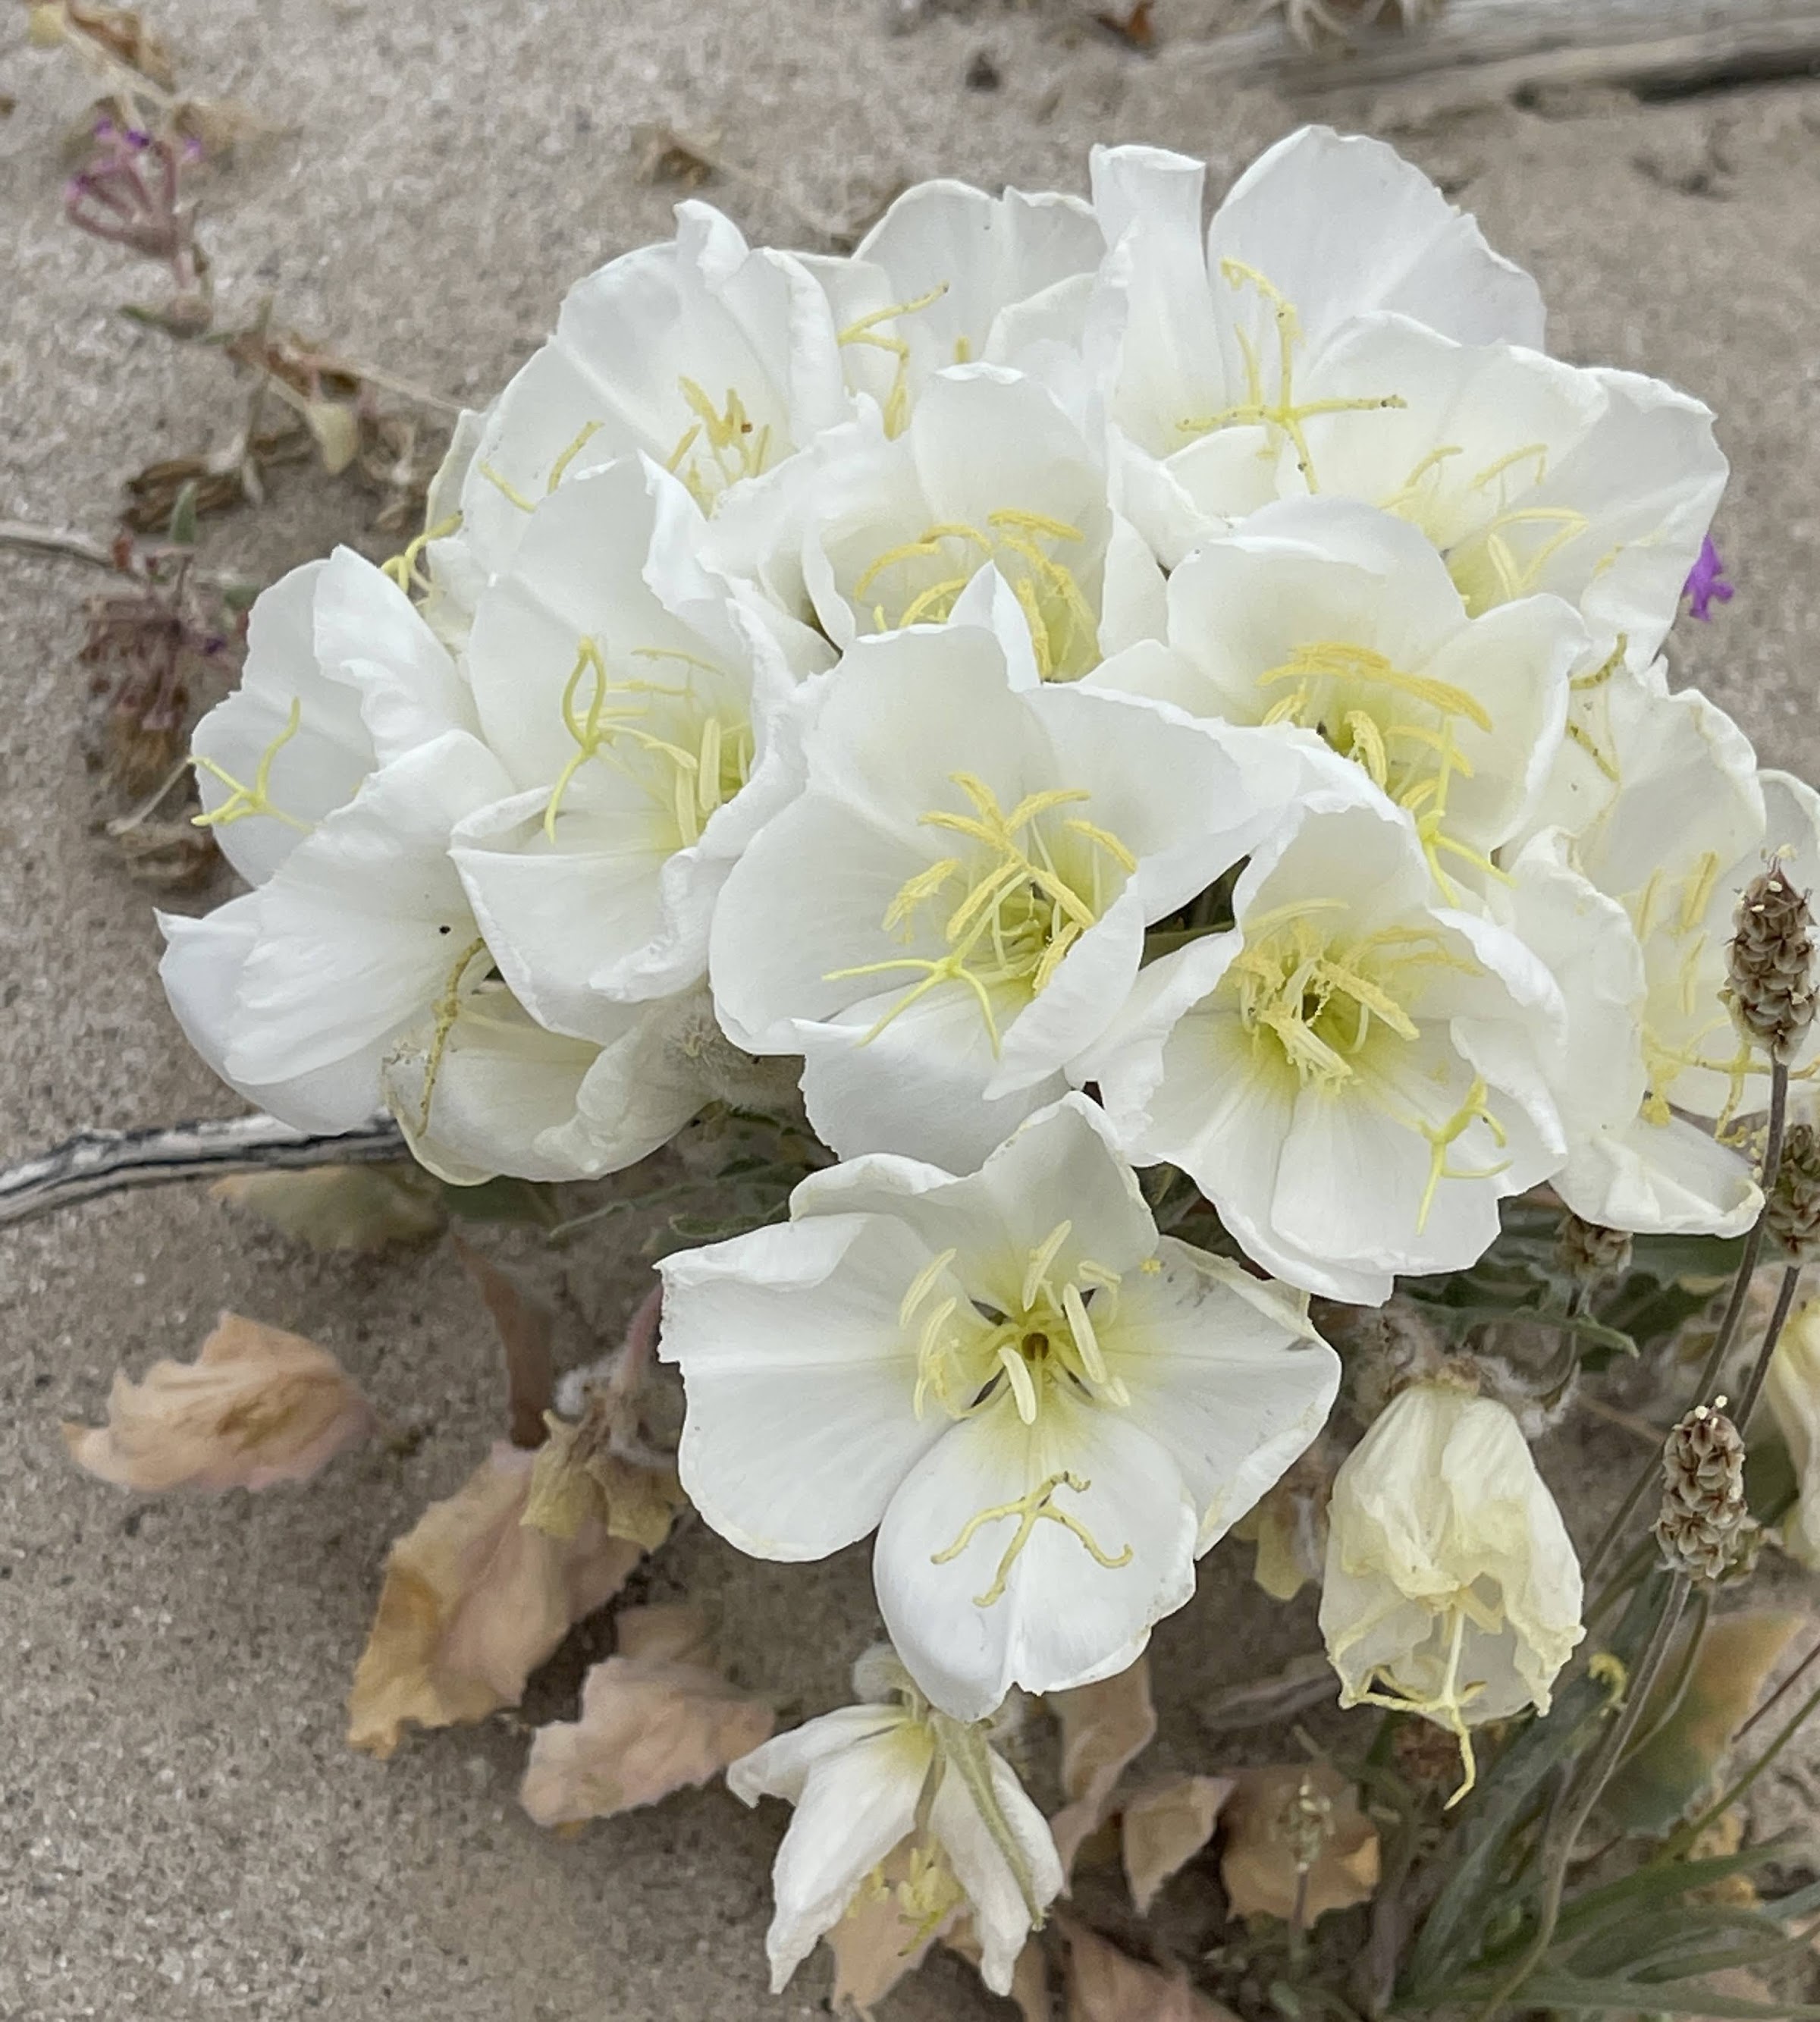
[1706, 585]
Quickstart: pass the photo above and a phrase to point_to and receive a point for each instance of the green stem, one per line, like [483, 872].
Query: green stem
[1563, 1834]
[1773, 1333]
[1728, 1326]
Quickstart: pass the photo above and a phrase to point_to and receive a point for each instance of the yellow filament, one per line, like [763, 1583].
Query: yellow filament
[1284, 418]
[403, 569]
[560, 468]
[1038, 1506]
[1036, 1276]
[726, 437]
[447, 1010]
[506, 488]
[242, 801]
[1447, 1707]
[864, 331]
[1471, 1110]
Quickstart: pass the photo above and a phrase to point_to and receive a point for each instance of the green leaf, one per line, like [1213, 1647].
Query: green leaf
[1632, 1997]
[182, 531]
[341, 1207]
[1675, 1768]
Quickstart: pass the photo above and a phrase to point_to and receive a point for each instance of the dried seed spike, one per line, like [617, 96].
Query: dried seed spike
[1792, 1211]
[1772, 964]
[1704, 1524]
[1589, 1254]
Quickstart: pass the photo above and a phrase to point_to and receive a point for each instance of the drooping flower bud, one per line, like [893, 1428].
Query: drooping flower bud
[1589, 1254]
[1771, 963]
[1793, 1210]
[1704, 1513]
[1452, 1589]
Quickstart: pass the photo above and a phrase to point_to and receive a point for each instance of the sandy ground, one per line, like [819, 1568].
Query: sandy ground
[182, 1832]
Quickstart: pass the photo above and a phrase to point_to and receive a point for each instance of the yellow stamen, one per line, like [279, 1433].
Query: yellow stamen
[1037, 1506]
[242, 801]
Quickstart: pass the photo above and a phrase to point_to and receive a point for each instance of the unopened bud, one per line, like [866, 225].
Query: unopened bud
[1589, 1254]
[1704, 1515]
[1792, 1213]
[1772, 961]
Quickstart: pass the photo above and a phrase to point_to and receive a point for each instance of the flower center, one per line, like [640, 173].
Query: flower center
[919, 581]
[1401, 728]
[1336, 1014]
[689, 755]
[1496, 548]
[719, 448]
[1281, 419]
[1028, 887]
[1676, 908]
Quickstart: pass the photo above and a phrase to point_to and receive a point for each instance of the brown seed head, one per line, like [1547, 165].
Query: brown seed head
[1772, 964]
[1703, 1520]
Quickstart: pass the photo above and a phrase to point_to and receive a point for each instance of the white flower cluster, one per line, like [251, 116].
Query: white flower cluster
[1095, 693]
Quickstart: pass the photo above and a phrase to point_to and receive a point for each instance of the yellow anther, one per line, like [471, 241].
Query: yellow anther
[1086, 1341]
[1036, 1276]
[1038, 1506]
[1018, 913]
[242, 801]
[505, 487]
[922, 1284]
[1283, 418]
[931, 1356]
[1023, 1389]
[720, 446]
[864, 331]
[560, 468]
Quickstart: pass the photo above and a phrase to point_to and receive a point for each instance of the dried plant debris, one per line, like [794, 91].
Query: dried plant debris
[1108, 1985]
[257, 1406]
[474, 1599]
[1295, 1843]
[1326, 27]
[360, 1208]
[1104, 1728]
[1164, 1826]
[662, 154]
[657, 1716]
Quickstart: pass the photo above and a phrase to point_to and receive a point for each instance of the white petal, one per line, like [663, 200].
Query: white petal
[1002, 1918]
[1062, 1618]
[800, 1380]
[780, 1767]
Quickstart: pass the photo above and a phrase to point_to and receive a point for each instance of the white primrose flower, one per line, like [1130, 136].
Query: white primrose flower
[1632, 1162]
[1047, 1411]
[1326, 615]
[989, 472]
[1451, 1589]
[955, 907]
[492, 1091]
[1350, 1072]
[1687, 820]
[890, 1775]
[1214, 353]
[1527, 474]
[636, 699]
[333, 776]
[718, 360]
[952, 276]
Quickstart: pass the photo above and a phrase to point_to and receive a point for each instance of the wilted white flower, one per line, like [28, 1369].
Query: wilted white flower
[895, 1773]
[989, 473]
[1047, 1411]
[636, 699]
[1330, 616]
[1793, 1392]
[1452, 1590]
[956, 907]
[1350, 1072]
[1218, 357]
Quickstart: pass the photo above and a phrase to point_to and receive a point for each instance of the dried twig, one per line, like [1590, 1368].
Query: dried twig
[94, 1162]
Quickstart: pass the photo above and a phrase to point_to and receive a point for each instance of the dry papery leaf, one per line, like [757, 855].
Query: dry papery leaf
[340, 1207]
[580, 1477]
[1258, 1865]
[474, 1599]
[1164, 1826]
[1030, 1977]
[1108, 1985]
[657, 1715]
[1103, 1727]
[257, 1406]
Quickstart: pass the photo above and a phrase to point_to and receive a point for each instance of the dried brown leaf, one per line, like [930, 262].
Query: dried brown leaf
[1164, 1826]
[635, 1493]
[257, 1406]
[526, 1329]
[120, 32]
[173, 856]
[1107, 1985]
[340, 1207]
[1136, 27]
[1030, 1977]
[656, 1716]
[1258, 1864]
[473, 1601]
[664, 155]
[1104, 1726]
[224, 126]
